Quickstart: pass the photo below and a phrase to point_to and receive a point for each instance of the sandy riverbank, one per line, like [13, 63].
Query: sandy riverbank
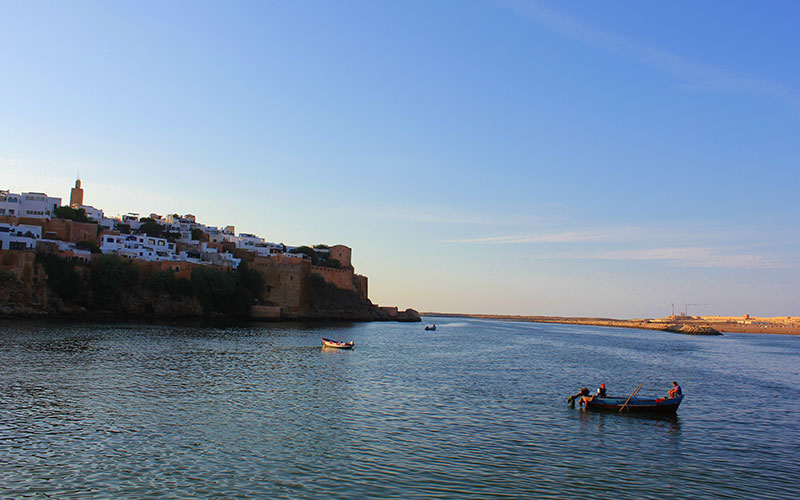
[708, 325]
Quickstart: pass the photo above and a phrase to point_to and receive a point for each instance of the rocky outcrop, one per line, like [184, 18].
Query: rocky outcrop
[328, 302]
[18, 300]
[688, 329]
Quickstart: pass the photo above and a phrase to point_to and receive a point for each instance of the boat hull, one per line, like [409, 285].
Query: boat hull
[337, 345]
[660, 406]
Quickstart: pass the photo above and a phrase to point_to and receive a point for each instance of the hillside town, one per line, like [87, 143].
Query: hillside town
[34, 222]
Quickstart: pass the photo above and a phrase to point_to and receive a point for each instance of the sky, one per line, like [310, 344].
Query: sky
[612, 159]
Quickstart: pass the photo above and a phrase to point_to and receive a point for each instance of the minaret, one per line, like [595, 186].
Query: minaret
[76, 195]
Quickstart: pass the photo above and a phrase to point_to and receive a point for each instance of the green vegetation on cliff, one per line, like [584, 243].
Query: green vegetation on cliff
[111, 287]
[109, 278]
[318, 259]
[73, 214]
[113, 284]
[63, 278]
[227, 292]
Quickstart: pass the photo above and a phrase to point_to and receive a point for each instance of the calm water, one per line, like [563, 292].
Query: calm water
[476, 409]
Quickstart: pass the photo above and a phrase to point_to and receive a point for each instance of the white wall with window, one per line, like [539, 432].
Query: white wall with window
[38, 205]
[10, 203]
[19, 237]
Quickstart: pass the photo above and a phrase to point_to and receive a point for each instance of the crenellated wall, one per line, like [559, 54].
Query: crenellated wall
[341, 278]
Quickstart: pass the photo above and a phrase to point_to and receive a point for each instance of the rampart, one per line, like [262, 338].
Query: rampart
[20, 263]
[182, 269]
[59, 229]
[287, 282]
[346, 279]
[343, 254]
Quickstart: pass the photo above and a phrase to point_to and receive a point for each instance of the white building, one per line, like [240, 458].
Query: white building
[261, 247]
[19, 237]
[10, 203]
[33, 205]
[38, 205]
[69, 250]
[93, 213]
[130, 219]
[107, 224]
[138, 247]
[203, 254]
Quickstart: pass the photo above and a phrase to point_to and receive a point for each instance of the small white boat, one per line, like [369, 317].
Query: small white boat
[336, 344]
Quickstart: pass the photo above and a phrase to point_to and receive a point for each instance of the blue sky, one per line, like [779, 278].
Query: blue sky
[564, 158]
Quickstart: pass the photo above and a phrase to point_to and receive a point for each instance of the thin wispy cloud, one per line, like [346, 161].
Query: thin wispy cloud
[560, 237]
[690, 257]
[699, 257]
[693, 75]
[642, 244]
[448, 216]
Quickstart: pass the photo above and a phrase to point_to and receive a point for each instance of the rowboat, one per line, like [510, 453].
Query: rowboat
[659, 406]
[336, 344]
[430, 328]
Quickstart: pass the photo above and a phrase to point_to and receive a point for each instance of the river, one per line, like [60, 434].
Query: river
[476, 409]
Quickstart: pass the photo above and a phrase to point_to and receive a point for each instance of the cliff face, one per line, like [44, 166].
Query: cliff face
[111, 288]
[328, 302]
[20, 300]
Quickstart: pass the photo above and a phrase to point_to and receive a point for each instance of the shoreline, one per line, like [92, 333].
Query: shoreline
[663, 324]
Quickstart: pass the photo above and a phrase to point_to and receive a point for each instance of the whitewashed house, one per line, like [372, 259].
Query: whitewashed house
[19, 237]
[138, 247]
[10, 203]
[260, 246]
[32, 204]
[67, 249]
[93, 213]
[38, 205]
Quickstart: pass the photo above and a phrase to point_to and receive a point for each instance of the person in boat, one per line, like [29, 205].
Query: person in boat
[676, 390]
[601, 391]
[584, 393]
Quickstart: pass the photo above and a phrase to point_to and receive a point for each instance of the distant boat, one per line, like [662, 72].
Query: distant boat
[336, 344]
[660, 406]
[431, 328]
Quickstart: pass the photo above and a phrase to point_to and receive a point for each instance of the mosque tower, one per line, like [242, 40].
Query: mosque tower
[76, 195]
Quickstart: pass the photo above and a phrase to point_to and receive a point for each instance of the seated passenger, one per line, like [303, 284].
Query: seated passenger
[675, 391]
[601, 391]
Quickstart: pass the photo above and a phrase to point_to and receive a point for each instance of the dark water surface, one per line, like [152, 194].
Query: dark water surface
[476, 409]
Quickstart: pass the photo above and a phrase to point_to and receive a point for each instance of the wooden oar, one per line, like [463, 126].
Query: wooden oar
[636, 391]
